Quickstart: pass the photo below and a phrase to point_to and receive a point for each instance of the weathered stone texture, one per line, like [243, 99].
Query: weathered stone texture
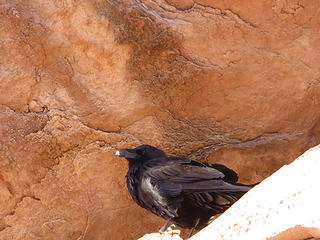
[221, 81]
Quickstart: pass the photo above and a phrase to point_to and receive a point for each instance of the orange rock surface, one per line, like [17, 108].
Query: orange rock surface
[220, 81]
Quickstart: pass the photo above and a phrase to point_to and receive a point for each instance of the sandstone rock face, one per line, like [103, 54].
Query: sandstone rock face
[219, 81]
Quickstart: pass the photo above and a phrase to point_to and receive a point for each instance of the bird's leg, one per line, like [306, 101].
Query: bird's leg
[164, 227]
[194, 227]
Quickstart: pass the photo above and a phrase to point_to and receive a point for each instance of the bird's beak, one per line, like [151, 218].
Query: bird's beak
[128, 153]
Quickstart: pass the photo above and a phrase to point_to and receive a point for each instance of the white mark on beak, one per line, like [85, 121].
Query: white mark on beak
[117, 153]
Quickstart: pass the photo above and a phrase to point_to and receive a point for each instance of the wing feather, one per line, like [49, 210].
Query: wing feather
[179, 175]
[179, 178]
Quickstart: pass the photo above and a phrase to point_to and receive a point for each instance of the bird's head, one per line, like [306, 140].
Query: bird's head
[141, 153]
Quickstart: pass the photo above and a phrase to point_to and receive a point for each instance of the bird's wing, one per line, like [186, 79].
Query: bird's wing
[229, 175]
[166, 182]
[178, 176]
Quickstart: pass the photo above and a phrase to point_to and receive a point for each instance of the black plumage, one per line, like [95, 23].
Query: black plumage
[183, 191]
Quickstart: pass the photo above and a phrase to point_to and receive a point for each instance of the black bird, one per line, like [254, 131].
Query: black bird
[183, 191]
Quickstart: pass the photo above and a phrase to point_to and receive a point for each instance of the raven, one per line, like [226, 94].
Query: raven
[186, 192]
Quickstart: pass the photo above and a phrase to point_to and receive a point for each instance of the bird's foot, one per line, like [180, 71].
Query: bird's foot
[170, 233]
[168, 229]
[171, 228]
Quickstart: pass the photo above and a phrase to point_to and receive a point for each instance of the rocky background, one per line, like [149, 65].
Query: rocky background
[234, 82]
